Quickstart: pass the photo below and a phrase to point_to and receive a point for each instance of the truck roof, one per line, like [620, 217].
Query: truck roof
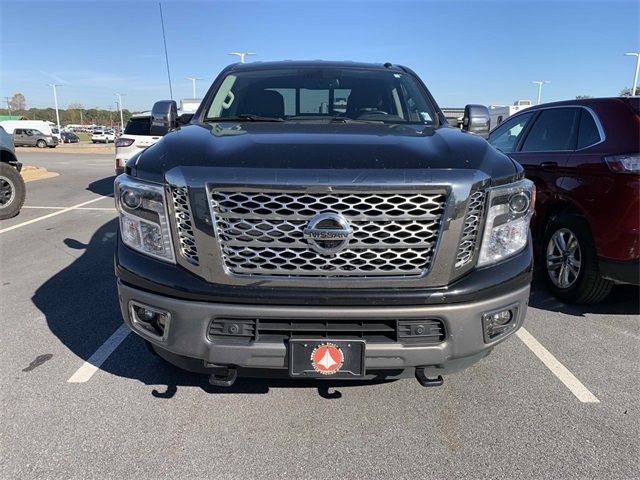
[313, 63]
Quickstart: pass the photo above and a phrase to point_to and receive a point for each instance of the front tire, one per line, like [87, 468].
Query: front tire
[12, 191]
[570, 261]
[41, 144]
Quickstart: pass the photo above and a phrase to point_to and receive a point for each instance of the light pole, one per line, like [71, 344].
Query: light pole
[193, 82]
[242, 55]
[120, 95]
[635, 76]
[540, 83]
[55, 100]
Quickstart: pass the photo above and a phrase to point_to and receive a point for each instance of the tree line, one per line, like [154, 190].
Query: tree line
[78, 115]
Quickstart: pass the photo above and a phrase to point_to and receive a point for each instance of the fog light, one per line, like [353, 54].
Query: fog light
[498, 323]
[145, 315]
[150, 320]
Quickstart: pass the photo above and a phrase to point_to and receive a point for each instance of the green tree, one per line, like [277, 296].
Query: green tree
[17, 102]
[626, 92]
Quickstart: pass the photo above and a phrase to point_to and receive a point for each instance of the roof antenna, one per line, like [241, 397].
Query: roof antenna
[388, 65]
[166, 57]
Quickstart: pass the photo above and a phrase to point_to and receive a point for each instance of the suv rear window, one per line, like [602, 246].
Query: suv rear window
[138, 126]
[588, 133]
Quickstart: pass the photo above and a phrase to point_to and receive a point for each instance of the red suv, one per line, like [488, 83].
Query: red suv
[583, 156]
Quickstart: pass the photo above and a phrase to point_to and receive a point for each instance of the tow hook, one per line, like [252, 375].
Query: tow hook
[225, 379]
[425, 381]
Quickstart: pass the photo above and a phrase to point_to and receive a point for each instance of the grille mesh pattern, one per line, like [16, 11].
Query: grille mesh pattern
[261, 233]
[471, 229]
[184, 225]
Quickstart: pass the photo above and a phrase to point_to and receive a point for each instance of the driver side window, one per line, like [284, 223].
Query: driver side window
[505, 138]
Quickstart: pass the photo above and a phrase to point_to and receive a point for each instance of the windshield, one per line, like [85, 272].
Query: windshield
[316, 93]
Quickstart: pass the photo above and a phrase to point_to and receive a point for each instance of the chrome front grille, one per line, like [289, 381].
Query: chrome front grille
[471, 229]
[184, 225]
[262, 232]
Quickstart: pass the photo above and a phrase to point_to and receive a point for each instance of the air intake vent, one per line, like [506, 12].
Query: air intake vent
[429, 331]
[471, 229]
[184, 225]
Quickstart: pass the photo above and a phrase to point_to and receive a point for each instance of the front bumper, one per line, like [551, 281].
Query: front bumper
[464, 342]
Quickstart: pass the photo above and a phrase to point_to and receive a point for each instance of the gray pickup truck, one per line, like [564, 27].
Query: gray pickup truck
[12, 189]
[322, 220]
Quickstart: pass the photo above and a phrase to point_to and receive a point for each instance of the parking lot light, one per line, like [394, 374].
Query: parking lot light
[193, 82]
[540, 83]
[55, 100]
[635, 75]
[120, 95]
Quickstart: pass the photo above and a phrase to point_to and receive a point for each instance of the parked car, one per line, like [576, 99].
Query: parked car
[30, 137]
[270, 233]
[46, 128]
[70, 137]
[103, 136]
[12, 189]
[583, 156]
[136, 137]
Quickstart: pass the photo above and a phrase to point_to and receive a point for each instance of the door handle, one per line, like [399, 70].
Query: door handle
[549, 166]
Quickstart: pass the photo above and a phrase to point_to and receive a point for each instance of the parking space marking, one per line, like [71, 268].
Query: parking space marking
[91, 366]
[99, 209]
[53, 214]
[576, 387]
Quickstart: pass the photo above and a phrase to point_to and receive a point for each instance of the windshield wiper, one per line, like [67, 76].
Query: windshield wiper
[333, 119]
[244, 117]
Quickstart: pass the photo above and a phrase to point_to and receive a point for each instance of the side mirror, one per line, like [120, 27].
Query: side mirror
[185, 118]
[164, 117]
[477, 120]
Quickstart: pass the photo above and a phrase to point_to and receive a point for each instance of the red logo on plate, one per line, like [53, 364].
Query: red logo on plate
[327, 358]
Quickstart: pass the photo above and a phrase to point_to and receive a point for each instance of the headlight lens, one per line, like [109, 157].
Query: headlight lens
[506, 228]
[143, 217]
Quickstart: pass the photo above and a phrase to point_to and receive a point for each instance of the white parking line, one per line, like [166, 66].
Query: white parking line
[576, 387]
[49, 215]
[88, 368]
[100, 209]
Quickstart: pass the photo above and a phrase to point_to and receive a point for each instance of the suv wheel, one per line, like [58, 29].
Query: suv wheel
[571, 263]
[12, 191]
[41, 144]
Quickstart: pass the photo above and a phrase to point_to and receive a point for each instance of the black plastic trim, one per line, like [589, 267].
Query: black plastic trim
[620, 271]
[145, 273]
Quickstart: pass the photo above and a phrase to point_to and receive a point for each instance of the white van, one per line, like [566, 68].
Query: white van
[47, 128]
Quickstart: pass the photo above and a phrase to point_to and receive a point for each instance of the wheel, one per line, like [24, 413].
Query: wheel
[41, 144]
[12, 191]
[93, 141]
[571, 263]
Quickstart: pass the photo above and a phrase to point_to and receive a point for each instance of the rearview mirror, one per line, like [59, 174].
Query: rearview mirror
[164, 117]
[477, 120]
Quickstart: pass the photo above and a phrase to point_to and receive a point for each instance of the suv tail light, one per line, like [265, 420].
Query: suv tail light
[124, 142]
[628, 163]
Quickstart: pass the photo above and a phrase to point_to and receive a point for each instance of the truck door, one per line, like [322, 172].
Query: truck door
[18, 137]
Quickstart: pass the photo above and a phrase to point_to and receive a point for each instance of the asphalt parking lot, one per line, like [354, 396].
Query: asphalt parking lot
[83, 398]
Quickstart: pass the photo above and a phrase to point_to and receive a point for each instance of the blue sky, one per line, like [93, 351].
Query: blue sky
[466, 51]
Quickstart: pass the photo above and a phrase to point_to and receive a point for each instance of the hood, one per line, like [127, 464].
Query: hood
[305, 145]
